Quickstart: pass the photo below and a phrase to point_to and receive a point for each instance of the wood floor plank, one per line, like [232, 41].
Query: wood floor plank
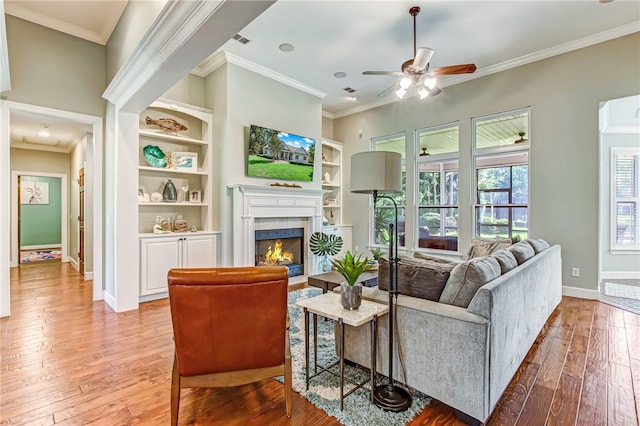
[564, 407]
[66, 360]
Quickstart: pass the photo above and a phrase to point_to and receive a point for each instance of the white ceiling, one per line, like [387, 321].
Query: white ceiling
[355, 36]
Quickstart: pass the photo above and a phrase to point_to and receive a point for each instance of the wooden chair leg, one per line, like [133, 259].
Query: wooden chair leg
[288, 379]
[175, 393]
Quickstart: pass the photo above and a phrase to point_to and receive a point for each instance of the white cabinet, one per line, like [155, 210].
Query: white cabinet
[332, 181]
[159, 253]
[344, 231]
[188, 153]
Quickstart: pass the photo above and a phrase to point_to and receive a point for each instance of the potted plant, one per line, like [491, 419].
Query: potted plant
[377, 253]
[351, 267]
[325, 245]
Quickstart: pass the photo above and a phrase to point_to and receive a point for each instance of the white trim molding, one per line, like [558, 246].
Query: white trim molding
[5, 76]
[581, 293]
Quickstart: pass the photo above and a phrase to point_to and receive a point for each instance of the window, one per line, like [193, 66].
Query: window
[384, 208]
[625, 209]
[501, 154]
[438, 187]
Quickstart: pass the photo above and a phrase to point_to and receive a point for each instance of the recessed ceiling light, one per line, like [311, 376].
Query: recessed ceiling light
[286, 47]
[340, 74]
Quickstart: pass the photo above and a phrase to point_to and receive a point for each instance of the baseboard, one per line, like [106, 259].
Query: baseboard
[626, 275]
[581, 293]
[73, 263]
[88, 276]
[42, 247]
[110, 300]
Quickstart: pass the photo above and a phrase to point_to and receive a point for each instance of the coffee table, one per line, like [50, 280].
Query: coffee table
[329, 306]
[330, 280]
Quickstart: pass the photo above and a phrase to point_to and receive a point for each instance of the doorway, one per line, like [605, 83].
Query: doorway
[93, 197]
[41, 208]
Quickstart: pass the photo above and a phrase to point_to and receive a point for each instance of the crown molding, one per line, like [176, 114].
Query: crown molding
[5, 76]
[506, 65]
[100, 37]
[173, 27]
[220, 58]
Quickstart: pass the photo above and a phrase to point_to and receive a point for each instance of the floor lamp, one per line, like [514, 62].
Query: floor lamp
[380, 173]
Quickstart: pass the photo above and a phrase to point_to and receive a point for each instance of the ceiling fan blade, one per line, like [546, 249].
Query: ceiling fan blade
[422, 58]
[454, 69]
[382, 73]
[385, 92]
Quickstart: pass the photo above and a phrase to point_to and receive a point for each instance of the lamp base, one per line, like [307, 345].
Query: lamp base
[391, 398]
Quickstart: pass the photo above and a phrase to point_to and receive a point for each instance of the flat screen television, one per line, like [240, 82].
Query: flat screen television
[274, 154]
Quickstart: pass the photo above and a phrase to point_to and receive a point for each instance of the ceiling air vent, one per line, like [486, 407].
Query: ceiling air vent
[350, 89]
[241, 39]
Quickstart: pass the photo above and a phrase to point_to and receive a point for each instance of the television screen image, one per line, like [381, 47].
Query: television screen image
[279, 155]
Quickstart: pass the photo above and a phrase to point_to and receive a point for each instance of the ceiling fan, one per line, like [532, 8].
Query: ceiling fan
[416, 71]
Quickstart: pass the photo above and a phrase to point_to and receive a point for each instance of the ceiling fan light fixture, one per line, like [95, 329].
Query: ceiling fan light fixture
[430, 82]
[423, 92]
[405, 83]
[401, 92]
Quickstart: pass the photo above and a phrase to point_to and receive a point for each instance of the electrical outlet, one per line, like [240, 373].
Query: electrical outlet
[575, 272]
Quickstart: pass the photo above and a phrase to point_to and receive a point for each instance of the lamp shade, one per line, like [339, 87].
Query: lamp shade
[379, 171]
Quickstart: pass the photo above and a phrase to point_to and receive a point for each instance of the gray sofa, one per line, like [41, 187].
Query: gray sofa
[466, 356]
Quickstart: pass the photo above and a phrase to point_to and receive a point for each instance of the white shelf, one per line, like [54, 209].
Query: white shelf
[169, 204]
[172, 171]
[172, 138]
[330, 164]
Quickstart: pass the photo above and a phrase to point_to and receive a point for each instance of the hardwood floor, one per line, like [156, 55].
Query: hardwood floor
[68, 361]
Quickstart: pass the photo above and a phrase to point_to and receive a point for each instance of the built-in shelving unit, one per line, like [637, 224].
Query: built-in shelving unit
[332, 181]
[195, 142]
[160, 252]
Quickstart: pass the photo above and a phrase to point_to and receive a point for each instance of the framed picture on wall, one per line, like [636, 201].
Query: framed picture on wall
[34, 192]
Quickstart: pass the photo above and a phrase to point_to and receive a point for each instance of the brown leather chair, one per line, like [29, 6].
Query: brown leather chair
[230, 327]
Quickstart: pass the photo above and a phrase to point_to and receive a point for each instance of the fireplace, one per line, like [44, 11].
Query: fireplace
[281, 247]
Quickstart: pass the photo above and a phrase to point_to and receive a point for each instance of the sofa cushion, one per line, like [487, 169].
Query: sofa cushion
[506, 260]
[538, 245]
[422, 256]
[522, 251]
[485, 246]
[418, 278]
[466, 278]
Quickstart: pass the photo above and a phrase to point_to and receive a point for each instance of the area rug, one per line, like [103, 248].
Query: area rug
[624, 295]
[38, 255]
[324, 390]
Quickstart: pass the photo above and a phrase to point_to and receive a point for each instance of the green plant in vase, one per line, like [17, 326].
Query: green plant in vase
[351, 268]
[325, 245]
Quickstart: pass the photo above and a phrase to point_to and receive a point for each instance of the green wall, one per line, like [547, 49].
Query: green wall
[40, 223]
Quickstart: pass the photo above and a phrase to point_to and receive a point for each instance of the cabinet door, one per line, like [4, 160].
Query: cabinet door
[199, 251]
[157, 256]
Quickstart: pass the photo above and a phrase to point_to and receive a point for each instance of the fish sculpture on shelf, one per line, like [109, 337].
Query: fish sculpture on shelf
[168, 124]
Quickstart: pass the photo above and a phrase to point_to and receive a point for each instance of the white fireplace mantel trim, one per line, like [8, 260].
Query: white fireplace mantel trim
[251, 202]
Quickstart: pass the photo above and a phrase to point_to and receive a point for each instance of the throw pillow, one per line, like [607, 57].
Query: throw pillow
[466, 278]
[485, 246]
[522, 251]
[417, 278]
[538, 245]
[506, 260]
[422, 256]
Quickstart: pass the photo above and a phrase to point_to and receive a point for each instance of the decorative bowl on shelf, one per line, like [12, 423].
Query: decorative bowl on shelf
[154, 156]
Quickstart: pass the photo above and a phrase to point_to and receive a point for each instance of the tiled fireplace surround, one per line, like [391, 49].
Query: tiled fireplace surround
[268, 207]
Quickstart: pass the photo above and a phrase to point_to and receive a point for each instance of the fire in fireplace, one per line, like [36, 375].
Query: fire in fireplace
[281, 247]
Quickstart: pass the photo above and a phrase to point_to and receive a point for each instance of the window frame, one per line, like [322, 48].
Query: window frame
[614, 246]
[440, 160]
[402, 207]
[496, 151]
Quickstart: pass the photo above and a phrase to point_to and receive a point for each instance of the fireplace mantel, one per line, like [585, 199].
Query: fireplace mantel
[251, 202]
